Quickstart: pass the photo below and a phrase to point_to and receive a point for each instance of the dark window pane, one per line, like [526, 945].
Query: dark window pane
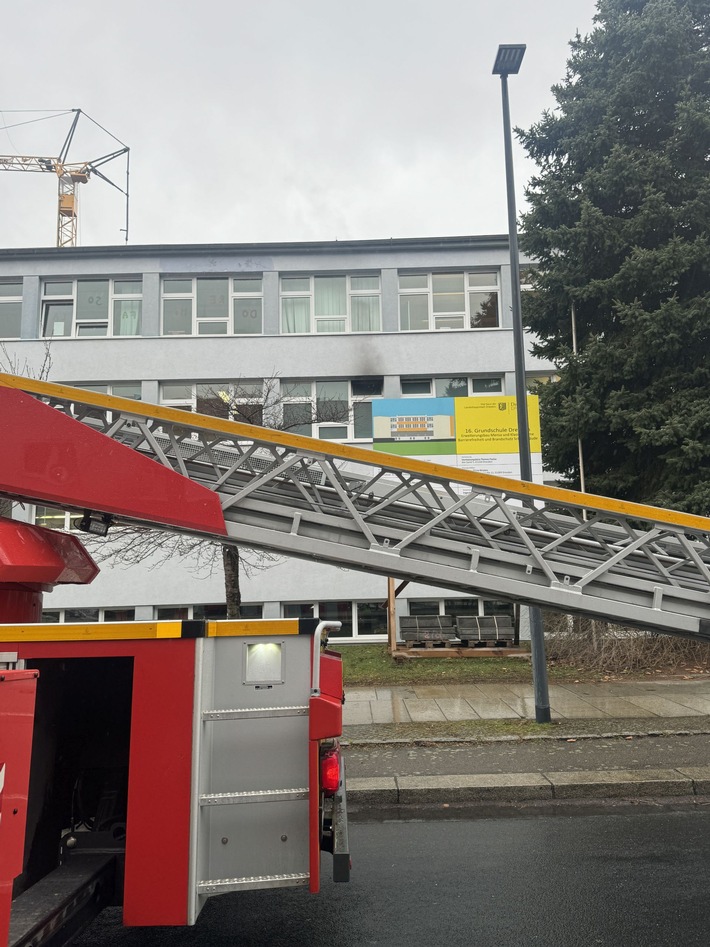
[337, 611]
[173, 613]
[461, 606]
[371, 618]
[10, 289]
[298, 610]
[330, 432]
[249, 413]
[484, 385]
[484, 310]
[81, 614]
[423, 607]
[367, 387]
[362, 419]
[416, 386]
[209, 612]
[498, 608]
[451, 387]
[119, 614]
[297, 419]
[251, 611]
[50, 617]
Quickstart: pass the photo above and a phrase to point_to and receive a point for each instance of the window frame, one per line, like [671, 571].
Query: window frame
[309, 293]
[70, 302]
[312, 401]
[436, 319]
[471, 381]
[231, 297]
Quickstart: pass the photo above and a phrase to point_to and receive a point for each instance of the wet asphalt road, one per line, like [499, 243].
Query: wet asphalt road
[625, 879]
[528, 756]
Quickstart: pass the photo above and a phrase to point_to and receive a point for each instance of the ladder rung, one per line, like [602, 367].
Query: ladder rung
[259, 795]
[295, 711]
[220, 885]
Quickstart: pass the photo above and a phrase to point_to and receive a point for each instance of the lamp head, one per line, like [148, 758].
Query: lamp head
[509, 59]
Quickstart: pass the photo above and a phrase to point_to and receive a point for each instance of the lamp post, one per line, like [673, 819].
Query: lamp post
[508, 61]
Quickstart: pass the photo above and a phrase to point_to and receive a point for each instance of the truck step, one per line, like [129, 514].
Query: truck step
[259, 795]
[251, 883]
[250, 712]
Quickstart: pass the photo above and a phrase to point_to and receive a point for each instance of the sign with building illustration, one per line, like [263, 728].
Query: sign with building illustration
[471, 433]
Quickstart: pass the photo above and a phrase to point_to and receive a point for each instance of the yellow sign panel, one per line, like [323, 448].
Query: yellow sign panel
[490, 425]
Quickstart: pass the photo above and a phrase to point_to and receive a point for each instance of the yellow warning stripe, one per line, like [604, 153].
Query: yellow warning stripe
[238, 628]
[92, 631]
[315, 448]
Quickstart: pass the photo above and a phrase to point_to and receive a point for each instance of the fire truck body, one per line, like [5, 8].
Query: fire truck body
[187, 754]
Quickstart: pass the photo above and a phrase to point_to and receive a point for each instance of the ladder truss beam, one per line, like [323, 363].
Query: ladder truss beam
[421, 522]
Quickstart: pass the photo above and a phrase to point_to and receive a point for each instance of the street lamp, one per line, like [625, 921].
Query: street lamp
[508, 62]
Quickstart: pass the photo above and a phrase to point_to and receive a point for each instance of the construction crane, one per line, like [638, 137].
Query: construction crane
[69, 175]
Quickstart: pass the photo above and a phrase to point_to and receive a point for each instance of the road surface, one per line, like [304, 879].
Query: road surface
[619, 878]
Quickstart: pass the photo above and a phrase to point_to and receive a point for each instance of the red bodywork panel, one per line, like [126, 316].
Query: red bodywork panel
[160, 767]
[50, 458]
[17, 706]
[42, 557]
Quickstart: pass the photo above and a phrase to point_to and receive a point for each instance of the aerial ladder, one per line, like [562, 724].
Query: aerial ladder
[69, 175]
[214, 745]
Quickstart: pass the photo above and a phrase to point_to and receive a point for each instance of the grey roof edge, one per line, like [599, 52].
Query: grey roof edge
[483, 241]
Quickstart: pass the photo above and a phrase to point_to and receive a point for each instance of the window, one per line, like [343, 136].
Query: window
[80, 615]
[448, 301]
[241, 400]
[450, 387]
[330, 410]
[330, 304]
[121, 389]
[10, 309]
[91, 307]
[359, 619]
[204, 612]
[213, 305]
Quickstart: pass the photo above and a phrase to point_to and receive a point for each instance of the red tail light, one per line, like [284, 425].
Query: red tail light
[330, 772]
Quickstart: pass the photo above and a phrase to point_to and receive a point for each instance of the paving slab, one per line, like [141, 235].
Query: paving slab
[663, 707]
[490, 708]
[390, 711]
[422, 711]
[456, 708]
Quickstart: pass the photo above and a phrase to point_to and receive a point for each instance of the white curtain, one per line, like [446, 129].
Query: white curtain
[365, 313]
[296, 314]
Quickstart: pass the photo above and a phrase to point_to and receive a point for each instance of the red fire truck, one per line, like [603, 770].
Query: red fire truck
[206, 755]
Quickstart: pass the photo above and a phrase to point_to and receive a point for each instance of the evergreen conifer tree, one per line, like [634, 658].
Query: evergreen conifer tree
[619, 221]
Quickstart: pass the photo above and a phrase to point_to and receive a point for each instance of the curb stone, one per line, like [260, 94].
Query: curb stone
[520, 787]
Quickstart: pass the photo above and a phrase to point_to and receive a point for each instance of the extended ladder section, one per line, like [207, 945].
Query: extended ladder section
[367, 510]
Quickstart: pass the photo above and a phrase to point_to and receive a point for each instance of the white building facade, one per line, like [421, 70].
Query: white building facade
[307, 336]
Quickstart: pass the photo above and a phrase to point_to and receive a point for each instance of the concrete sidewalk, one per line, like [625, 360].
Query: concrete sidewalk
[427, 745]
[662, 699]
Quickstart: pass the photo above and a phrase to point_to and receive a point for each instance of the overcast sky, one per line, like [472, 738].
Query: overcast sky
[275, 120]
